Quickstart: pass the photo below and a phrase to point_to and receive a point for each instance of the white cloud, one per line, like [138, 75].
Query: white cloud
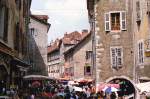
[38, 12]
[65, 5]
[64, 15]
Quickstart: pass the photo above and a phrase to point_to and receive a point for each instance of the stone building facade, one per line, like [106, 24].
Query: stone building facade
[54, 59]
[113, 28]
[68, 41]
[14, 20]
[141, 24]
[78, 60]
[56, 50]
[38, 44]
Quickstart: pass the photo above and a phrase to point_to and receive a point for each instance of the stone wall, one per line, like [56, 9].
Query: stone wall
[39, 50]
[110, 39]
[79, 58]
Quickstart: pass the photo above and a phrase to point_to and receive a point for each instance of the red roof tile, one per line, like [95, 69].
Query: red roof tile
[70, 39]
[42, 17]
[54, 46]
[74, 37]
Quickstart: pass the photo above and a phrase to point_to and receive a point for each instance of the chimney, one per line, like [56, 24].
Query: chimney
[84, 32]
[42, 17]
[65, 34]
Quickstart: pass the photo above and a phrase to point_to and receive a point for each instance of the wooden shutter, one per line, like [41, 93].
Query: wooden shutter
[116, 57]
[2, 16]
[113, 57]
[138, 11]
[107, 22]
[140, 53]
[119, 57]
[17, 37]
[123, 20]
[148, 6]
[6, 24]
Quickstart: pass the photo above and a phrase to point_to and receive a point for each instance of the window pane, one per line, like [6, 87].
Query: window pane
[2, 10]
[115, 21]
[88, 69]
[137, 5]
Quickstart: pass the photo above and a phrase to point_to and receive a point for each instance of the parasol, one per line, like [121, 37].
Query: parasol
[110, 89]
[36, 84]
[77, 88]
[36, 77]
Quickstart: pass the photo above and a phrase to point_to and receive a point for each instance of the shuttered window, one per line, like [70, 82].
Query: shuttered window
[3, 23]
[148, 6]
[107, 22]
[115, 21]
[138, 11]
[17, 38]
[140, 52]
[123, 20]
[116, 57]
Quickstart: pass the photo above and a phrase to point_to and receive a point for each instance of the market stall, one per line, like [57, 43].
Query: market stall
[144, 89]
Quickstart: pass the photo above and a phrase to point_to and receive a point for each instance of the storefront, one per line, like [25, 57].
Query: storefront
[4, 71]
[3, 78]
[18, 70]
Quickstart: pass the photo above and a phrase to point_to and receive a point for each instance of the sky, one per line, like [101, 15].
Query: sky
[64, 15]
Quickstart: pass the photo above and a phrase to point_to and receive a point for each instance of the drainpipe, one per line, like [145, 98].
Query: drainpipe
[135, 71]
[93, 45]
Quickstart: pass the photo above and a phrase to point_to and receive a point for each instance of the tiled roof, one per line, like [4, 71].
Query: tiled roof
[68, 39]
[42, 17]
[84, 37]
[74, 37]
[54, 46]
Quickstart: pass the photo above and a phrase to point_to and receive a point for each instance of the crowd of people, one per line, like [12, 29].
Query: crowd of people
[59, 91]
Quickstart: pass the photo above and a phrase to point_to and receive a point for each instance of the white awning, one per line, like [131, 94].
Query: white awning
[144, 87]
[36, 77]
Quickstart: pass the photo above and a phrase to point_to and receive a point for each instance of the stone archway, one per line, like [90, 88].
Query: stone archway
[127, 86]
